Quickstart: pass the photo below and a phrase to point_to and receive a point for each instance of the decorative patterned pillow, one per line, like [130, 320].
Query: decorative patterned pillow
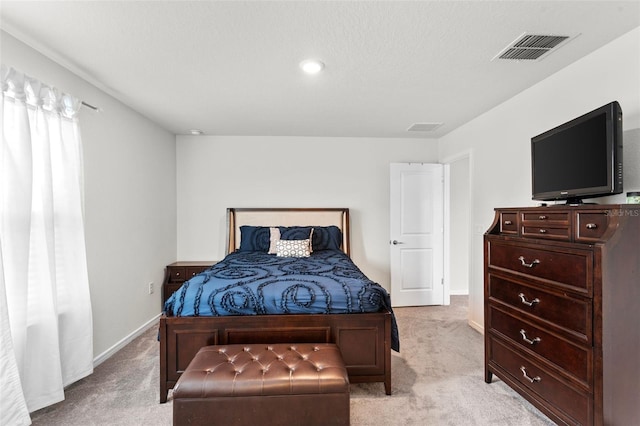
[296, 233]
[293, 248]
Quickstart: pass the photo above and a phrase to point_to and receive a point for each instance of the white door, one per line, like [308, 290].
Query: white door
[417, 234]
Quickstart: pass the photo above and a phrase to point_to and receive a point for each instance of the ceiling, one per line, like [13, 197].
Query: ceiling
[231, 67]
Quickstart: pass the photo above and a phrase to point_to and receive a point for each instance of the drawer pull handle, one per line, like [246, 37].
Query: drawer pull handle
[543, 231]
[528, 265]
[525, 302]
[526, 376]
[529, 341]
[591, 226]
[508, 222]
[542, 217]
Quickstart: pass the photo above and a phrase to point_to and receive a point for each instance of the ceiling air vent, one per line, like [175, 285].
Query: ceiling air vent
[424, 127]
[531, 47]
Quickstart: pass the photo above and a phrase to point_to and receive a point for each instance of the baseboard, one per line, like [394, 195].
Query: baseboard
[459, 293]
[122, 343]
[478, 327]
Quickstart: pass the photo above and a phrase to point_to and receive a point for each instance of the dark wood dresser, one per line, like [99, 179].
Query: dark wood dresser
[562, 310]
[178, 272]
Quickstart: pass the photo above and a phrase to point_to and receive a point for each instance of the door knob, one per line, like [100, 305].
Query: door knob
[396, 242]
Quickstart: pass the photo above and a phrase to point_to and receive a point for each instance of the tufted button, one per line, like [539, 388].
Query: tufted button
[316, 349]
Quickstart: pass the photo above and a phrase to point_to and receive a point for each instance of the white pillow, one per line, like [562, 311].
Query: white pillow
[293, 248]
[274, 235]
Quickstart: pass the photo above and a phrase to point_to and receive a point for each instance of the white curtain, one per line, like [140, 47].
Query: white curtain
[46, 320]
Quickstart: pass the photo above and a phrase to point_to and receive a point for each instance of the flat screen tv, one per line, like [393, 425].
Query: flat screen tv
[579, 159]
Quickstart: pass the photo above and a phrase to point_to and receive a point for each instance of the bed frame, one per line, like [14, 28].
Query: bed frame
[364, 339]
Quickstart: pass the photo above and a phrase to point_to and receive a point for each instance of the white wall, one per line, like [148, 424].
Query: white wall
[130, 198]
[500, 138]
[217, 172]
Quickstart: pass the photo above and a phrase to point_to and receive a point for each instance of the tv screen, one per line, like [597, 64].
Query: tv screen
[579, 159]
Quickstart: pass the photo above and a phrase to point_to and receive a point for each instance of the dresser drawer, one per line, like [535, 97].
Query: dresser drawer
[565, 314]
[548, 225]
[177, 273]
[569, 357]
[509, 223]
[591, 226]
[169, 289]
[541, 218]
[562, 268]
[548, 232]
[183, 273]
[192, 271]
[571, 402]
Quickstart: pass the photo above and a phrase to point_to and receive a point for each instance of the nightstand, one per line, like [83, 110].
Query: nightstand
[179, 272]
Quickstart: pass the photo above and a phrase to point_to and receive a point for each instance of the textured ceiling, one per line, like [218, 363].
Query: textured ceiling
[231, 68]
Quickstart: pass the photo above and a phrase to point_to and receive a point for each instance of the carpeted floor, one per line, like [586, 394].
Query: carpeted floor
[437, 379]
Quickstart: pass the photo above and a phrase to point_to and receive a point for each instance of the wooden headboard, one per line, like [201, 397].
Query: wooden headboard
[237, 217]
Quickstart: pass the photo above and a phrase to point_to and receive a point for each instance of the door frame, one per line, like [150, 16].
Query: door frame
[446, 243]
[467, 154]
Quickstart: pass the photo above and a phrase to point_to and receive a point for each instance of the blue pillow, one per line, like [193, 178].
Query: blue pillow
[254, 238]
[294, 232]
[324, 237]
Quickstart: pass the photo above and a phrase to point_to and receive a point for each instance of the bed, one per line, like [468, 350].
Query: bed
[230, 302]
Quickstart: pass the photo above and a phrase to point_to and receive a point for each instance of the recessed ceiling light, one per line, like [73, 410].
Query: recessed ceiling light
[311, 66]
[195, 132]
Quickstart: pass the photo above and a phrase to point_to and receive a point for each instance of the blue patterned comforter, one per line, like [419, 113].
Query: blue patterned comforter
[257, 283]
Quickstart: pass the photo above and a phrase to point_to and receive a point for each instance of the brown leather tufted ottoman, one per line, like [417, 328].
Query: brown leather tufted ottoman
[269, 384]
